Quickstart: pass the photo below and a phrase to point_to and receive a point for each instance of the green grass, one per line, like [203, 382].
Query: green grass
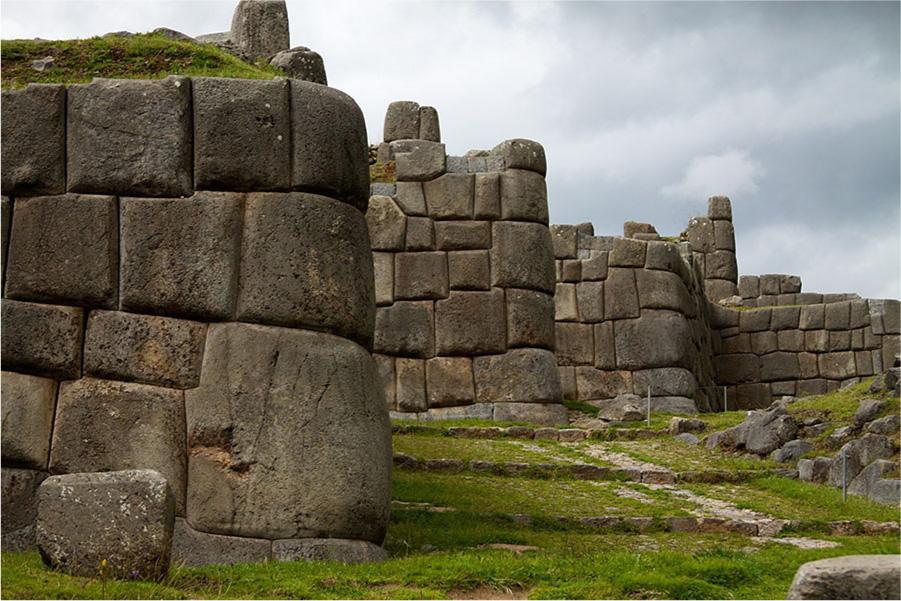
[581, 406]
[143, 56]
[714, 421]
[466, 449]
[678, 456]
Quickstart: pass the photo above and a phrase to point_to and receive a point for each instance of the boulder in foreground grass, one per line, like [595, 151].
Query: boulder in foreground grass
[849, 577]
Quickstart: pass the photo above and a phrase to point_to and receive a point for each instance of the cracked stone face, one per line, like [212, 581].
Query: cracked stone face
[287, 438]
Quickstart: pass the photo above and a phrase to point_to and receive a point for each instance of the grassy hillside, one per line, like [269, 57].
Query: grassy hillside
[142, 56]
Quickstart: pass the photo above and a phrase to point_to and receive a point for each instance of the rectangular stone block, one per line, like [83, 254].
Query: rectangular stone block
[621, 294]
[469, 270]
[28, 405]
[770, 284]
[33, 140]
[568, 382]
[522, 154]
[719, 207]
[574, 343]
[604, 346]
[590, 296]
[470, 323]
[406, 328]
[103, 425]
[664, 256]
[530, 318]
[450, 196]
[449, 381]
[837, 366]
[594, 268]
[816, 341]
[463, 235]
[753, 396]
[194, 548]
[740, 343]
[811, 387]
[790, 340]
[517, 376]
[64, 249]
[783, 388]
[700, 234]
[737, 369]
[809, 298]
[305, 261]
[808, 365]
[522, 256]
[785, 318]
[420, 233]
[663, 290]
[420, 275]
[628, 253]
[786, 299]
[764, 342]
[790, 284]
[383, 273]
[657, 339]
[130, 137]
[721, 264]
[329, 150]
[891, 317]
[864, 363]
[839, 341]
[724, 235]
[19, 508]
[384, 365]
[564, 238]
[565, 304]
[857, 340]
[44, 340]
[838, 315]
[161, 351]
[891, 346]
[595, 384]
[411, 391]
[779, 366]
[812, 317]
[755, 320]
[386, 223]
[523, 196]
[242, 131]
[487, 196]
[420, 161]
[571, 270]
[411, 198]
[180, 256]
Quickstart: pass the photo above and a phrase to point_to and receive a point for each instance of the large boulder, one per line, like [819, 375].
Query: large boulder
[849, 577]
[116, 524]
[301, 63]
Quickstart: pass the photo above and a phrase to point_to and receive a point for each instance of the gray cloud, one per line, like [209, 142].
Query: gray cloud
[792, 108]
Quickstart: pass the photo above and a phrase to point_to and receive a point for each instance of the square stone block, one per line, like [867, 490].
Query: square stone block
[770, 284]
[411, 392]
[838, 315]
[387, 224]
[790, 340]
[103, 425]
[463, 235]
[411, 198]
[420, 161]
[621, 294]
[816, 340]
[596, 384]
[28, 405]
[33, 140]
[721, 264]
[306, 261]
[658, 289]
[487, 196]
[571, 270]
[764, 342]
[628, 253]
[839, 341]
[45, 340]
[700, 234]
[470, 323]
[530, 318]
[657, 339]
[180, 256]
[522, 256]
[590, 296]
[469, 270]
[406, 328]
[328, 144]
[779, 366]
[420, 275]
[242, 133]
[519, 153]
[837, 366]
[519, 375]
[574, 343]
[749, 286]
[564, 238]
[860, 314]
[785, 318]
[523, 196]
[756, 320]
[130, 137]
[812, 317]
[450, 196]
[64, 249]
[594, 268]
[420, 234]
[664, 256]
[161, 351]
[402, 121]
[449, 381]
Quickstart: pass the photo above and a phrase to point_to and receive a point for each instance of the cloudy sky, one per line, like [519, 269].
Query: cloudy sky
[645, 109]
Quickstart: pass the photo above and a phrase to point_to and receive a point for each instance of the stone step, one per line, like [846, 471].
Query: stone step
[529, 433]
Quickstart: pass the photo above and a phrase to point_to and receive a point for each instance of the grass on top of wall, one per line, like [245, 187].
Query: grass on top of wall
[140, 56]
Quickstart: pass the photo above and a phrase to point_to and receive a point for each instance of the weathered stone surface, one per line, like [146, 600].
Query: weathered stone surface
[551, 414]
[469, 270]
[429, 126]
[719, 207]
[194, 548]
[724, 235]
[838, 315]
[888, 425]
[260, 28]
[123, 519]
[384, 365]
[621, 294]
[623, 408]
[791, 451]
[785, 318]
[860, 452]
[590, 296]
[565, 305]
[700, 234]
[64, 249]
[770, 283]
[387, 224]
[595, 268]
[815, 469]
[42, 339]
[530, 318]
[450, 196]
[130, 137]
[523, 196]
[33, 141]
[628, 253]
[420, 275]
[520, 153]
[383, 274]
[180, 256]
[812, 317]
[241, 134]
[679, 425]
[764, 342]
[487, 204]
[103, 425]
[837, 366]
[790, 340]
[573, 343]
[594, 383]
[6, 214]
[264, 390]
[405, 328]
[19, 507]
[657, 339]
[462, 235]
[329, 148]
[468, 323]
[564, 239]
[519, 375]
[568, 382]
[779, 366]
[749, 286]
[327, 549]
[142, 348]
[665, 381]
[420, 161]
[286, 277]
[663, 255]
[411, 385]
[868, 410]
[420, 234]
[756, 320]
[663, 290]
[28, 405]
[867, 481]
[449, 381]
[301, 63]
[688, 438]
[402, 121]
[411, 198]
[721, 264]
[522, 256]
[717, 290]
[849, 577]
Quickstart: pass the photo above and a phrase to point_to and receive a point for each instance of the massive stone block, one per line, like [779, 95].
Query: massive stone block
[724, 235]
[756, 320]
[64, 249]
[406, 328]
[449, 381]
[383, 274]
[564, 238]
[130, 137]
[387, 224]
[28, 405]
[663, 290]
[628, 253]
[142, 348]
[180, 256]
[523, 196]
[594, 384]
[102, 425]
[19, 507]
[737, 368]
[289, 437]
[419, 161]
[429, 126]
[242, 133]
[470, 323]
[42, 339]
[420, 275]
[260, 29]
[812, 317]
[301, 63]
[590, 296]
[33, 140]
[519, 375]
[604, 346]
[574, 343]
[194, 548]
[328, 142]
[621, 294]
[721, 264]
[420, 233]
[520, 153]
[779, 366]
[487, 203]
[462, 235]
[450, 196]
[121, 519]
[657, 339]
[522, 256]
[411, 198]
[565, 306]
[838, 315]
[411, 392]
[306, 261]
[530, 318]
[402, 121]
[665, 381]
[837, 366]
[469, 270]
[848, 577]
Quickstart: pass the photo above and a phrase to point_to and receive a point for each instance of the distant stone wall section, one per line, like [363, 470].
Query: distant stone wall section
[464, 277]
[187, 287]
[775, 289]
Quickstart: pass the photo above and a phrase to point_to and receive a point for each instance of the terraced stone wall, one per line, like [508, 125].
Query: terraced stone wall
[775, 289]
[464, 277]
[188, 288]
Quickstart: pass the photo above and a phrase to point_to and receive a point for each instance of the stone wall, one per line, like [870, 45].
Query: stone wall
[188, 288]
[464, 277]
[774, 289]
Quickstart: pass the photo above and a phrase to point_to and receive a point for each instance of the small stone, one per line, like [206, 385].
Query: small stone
[301, 63]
